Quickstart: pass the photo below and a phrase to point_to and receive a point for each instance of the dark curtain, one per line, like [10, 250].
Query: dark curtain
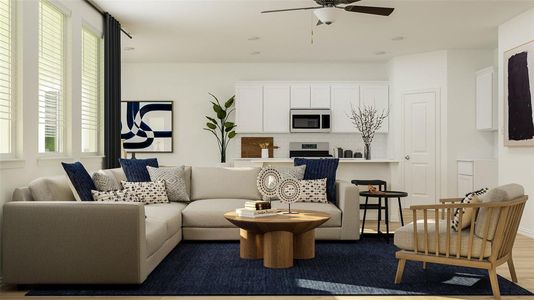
[112, 91]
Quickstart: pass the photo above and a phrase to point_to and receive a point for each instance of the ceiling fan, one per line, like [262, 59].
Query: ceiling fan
[328, 10]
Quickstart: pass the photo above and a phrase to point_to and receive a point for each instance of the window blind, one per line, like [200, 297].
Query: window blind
[90, 91]
[7, 97]
[51, 77]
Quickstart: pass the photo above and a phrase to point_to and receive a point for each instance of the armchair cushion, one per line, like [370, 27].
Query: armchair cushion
[404, 239]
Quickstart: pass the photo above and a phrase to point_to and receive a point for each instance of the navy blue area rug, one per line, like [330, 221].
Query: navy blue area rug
[365, 267]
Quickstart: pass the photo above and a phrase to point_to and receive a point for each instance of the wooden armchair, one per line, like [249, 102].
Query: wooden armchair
[485, 244]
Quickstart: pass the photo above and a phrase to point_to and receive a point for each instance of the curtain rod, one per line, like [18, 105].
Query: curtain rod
[102, 12]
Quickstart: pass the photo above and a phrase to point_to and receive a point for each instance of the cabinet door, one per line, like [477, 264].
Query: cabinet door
[276, 108]
[300, 96]
[465, 185]
[249, 108]
[376, 96]
[484, 100]
[320, 96]
[344, 97]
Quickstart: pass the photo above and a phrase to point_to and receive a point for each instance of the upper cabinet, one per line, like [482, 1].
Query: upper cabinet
[378, 97]
[320, 96]
[344, 97]
[263, 107]
[486, 117]
[276, 103]
[249, 108]
[300, 96]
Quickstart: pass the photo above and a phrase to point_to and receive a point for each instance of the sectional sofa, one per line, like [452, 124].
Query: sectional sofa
[48, 237]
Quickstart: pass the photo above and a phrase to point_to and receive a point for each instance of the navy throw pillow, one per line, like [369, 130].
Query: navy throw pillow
[135, 169]
[80, 179]
[319, 169]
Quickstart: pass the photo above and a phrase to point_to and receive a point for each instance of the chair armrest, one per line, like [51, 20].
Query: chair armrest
[348, 200]
[73, 242]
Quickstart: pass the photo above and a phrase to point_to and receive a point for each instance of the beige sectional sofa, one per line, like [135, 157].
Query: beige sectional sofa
[48, 237]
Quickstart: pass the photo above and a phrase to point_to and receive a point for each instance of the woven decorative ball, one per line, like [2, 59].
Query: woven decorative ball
[267, 181]
[289, 190]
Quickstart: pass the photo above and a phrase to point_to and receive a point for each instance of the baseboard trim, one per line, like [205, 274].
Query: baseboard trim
[526, 232]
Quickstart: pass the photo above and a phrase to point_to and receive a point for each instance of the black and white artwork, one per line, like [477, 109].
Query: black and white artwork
[146, 126]
[519, 96]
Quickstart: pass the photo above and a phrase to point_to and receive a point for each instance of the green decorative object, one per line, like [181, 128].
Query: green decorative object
[219, 125]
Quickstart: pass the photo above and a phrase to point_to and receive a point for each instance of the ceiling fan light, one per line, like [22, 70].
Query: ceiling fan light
[327, 15]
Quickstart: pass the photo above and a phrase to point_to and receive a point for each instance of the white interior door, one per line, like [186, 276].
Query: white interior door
[420, 147]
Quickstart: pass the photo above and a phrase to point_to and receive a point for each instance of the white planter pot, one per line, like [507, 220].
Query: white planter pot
[264, 153]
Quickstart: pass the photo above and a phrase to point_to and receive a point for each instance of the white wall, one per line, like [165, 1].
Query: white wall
[28, 164]
[188, 85]
[516, 164]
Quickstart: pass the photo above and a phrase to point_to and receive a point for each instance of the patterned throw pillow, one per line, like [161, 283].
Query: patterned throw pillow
[313, 190]
[104, 182]
[472, 197]
[292, 172]
[151, 192]
[321, 168]
[135, 169]
[174, 178]
[116, 196]
[79, 180]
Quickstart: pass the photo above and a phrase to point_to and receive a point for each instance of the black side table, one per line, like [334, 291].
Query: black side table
[386, 195]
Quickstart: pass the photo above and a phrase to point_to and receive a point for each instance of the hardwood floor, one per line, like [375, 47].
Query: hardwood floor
[523, 259]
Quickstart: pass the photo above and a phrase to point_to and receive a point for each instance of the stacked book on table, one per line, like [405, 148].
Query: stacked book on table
[256, 209]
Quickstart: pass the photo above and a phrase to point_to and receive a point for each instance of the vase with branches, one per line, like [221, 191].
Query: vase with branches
[219, 126]
[367, 119]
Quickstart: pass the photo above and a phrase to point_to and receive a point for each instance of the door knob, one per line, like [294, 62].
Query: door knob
[407, 157]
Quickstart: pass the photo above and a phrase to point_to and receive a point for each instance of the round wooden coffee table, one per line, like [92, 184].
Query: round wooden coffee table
[278, 239]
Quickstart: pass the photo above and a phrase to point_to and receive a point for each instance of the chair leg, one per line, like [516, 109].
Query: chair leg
[386, 200]
[379, 214]
[365, 213]
[424, 265]
[400, 211]
[400, 271]
[494, 283]
[512, 269]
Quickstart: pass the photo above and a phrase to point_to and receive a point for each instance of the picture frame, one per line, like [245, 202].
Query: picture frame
[518, 81]
[147, 126]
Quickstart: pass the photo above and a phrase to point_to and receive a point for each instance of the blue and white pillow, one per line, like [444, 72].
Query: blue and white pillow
[319, 169]
[80, 181]
[135, 169]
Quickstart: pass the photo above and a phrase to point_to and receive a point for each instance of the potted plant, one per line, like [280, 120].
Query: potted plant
[367, 120]
[219, 125]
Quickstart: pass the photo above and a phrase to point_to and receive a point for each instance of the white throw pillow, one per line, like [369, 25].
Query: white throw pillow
[151, 192]
[174, 178]
[105, 182]
[313, 191]
[125, 195]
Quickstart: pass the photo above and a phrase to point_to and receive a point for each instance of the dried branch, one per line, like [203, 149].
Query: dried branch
[367, 120]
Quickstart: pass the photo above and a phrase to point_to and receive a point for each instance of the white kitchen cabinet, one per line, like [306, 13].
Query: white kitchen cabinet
[344, 96]
[249, 108]
[300, 96]
[486, 117]
[320, 96]
[276, 103]
[376, 96]
[474, 174]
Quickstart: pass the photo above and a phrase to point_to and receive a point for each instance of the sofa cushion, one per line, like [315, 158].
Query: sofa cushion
[156, 235]
[499, 194]
[229, 183]
[174, 178]
[404, 239]
[209, 213]
[168, 213]
[52, 188]
[329, 208]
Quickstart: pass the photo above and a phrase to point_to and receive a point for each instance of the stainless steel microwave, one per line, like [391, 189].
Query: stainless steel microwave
[310, 120]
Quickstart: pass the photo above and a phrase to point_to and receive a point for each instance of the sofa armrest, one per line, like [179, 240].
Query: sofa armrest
[51, 242]
[348, 200]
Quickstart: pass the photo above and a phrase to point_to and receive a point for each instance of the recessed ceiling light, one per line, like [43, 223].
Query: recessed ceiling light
[255, 53]
[253, 38]
[398, 38]
[129, 48]
[380, 52]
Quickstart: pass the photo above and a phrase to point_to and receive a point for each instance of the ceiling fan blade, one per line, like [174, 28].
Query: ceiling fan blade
[372, 10]
[346, 1]
[289, 9]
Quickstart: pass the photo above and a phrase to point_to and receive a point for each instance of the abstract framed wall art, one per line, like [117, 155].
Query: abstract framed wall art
[147, 126]
[519, 96]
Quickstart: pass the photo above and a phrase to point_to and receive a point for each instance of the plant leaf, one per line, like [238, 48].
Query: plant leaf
[216, 99]
[211, 119]
[217, 108]
[228, 129]
[221, 114]
[229, 124]
[211, 126]
[231, 134]
[230, 102]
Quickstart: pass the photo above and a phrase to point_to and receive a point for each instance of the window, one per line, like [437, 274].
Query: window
[7, 78]
[90, 91]
[51, 78]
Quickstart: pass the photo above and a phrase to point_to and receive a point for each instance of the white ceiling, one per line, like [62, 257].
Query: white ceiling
[219, 30]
